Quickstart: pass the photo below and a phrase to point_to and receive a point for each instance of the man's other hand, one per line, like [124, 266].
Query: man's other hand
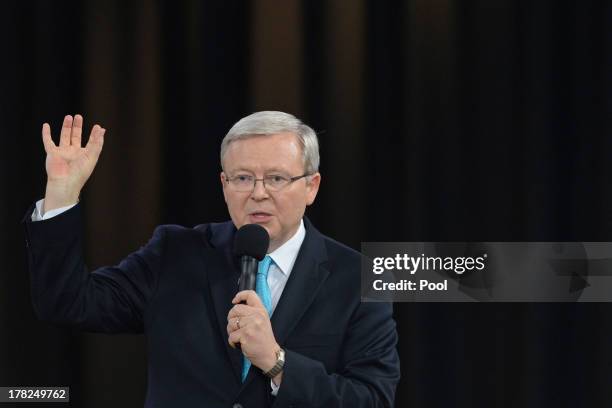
[68, 164]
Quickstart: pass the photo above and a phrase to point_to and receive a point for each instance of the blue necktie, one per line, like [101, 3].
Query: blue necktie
[263, 291]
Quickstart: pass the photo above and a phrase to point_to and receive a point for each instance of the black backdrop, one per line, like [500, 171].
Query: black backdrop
[438, 120]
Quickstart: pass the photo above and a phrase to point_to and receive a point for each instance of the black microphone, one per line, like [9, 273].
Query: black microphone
[251, 245]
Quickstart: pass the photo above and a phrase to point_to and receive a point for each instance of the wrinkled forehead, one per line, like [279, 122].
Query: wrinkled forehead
[257, 153]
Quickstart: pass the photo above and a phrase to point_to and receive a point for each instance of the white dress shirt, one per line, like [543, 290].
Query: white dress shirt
[37, 214]
[283, 258]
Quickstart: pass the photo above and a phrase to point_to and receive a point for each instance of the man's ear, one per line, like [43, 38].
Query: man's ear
[312, 187]
[223, 185]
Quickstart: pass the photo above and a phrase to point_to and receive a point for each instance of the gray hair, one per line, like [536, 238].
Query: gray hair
[272, 122]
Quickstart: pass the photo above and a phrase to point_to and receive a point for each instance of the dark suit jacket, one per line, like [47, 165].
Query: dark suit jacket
[177, 289]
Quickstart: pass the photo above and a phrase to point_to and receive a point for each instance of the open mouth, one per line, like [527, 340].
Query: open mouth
[259, 216]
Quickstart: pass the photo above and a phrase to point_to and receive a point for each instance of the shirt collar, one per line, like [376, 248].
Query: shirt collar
[284, 256]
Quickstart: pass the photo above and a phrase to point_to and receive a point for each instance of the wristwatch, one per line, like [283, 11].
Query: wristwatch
[278, 367]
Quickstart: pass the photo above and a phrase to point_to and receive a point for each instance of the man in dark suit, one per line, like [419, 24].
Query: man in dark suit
[305, 337]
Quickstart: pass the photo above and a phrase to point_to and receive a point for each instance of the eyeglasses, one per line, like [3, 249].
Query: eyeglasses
[275, 182]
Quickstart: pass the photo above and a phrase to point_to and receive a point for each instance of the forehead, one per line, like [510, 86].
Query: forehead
[280, 151]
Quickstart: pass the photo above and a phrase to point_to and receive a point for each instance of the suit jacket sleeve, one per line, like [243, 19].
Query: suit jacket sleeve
[370, 367]
[109, 299]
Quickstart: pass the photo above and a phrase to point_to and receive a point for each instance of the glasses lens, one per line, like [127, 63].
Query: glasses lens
[242, 182]
[276, 182]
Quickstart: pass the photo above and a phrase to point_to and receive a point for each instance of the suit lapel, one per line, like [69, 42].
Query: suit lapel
[223, 280]
[308, 274]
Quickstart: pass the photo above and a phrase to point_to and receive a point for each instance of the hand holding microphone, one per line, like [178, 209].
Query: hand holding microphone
[249, 327]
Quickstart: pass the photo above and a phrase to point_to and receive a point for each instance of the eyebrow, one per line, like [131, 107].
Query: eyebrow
[277, 170]
[267, 171]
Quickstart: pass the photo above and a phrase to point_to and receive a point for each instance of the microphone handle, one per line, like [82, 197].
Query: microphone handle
[248, 268]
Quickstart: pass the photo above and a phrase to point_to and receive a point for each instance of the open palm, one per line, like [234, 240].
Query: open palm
[68, 162]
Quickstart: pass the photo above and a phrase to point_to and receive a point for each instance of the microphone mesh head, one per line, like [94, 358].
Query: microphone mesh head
[252, 240]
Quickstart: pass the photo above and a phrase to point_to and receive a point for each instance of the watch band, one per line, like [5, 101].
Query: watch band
[278, 367]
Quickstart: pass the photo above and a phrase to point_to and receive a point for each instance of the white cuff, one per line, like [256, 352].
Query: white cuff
[37, 214]
[274, 388]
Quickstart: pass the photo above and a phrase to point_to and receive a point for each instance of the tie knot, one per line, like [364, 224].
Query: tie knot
[264, 266]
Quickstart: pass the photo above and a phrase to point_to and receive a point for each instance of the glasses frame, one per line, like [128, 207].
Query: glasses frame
[263, 181]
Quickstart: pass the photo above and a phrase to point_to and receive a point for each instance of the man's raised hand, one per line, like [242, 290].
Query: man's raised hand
[69, 165]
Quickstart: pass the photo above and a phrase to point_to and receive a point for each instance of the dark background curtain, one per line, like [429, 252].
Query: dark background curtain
[439, 120]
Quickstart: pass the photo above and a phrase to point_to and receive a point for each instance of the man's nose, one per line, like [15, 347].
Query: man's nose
[259, 191]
